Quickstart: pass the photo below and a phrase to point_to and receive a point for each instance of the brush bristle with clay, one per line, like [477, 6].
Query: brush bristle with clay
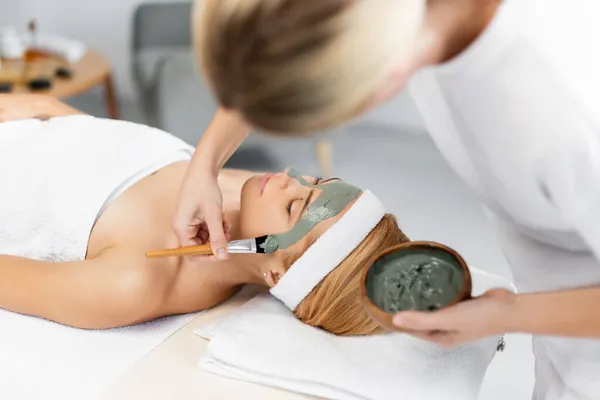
[244, 246]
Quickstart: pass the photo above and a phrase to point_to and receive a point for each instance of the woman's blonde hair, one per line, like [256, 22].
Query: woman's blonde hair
[299, 66]
[334, 304]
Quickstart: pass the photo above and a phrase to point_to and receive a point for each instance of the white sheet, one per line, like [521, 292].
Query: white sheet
[264, 343]
[40, 359]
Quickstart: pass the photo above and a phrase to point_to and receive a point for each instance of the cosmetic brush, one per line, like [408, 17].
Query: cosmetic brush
[244, 246]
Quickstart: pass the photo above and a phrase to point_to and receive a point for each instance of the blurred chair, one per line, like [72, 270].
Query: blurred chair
[161, 31]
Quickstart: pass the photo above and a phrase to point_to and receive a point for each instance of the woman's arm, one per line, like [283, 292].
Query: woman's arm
[117, 288]
[97, 293]
[22, 106]
[70, 293]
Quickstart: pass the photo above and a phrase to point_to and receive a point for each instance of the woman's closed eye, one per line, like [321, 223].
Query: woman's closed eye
[299, 200]
[288, 208]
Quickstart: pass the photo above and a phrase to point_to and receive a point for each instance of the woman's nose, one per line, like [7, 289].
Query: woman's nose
[283, 180]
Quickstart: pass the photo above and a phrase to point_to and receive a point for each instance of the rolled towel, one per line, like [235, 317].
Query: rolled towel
[264, 343]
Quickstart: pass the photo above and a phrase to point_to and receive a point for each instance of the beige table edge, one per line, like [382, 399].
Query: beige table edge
[171, 370]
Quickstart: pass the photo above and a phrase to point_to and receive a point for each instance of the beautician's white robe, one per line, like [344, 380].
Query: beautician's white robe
[517, 116]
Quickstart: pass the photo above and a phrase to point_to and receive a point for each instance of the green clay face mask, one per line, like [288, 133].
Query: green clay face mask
[414, 279]
[334, 198]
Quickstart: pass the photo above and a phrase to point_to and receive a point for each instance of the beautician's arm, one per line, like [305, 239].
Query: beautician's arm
[200, 204]
[569, 313]
[22, 106]
[221, 139]
[570, 181]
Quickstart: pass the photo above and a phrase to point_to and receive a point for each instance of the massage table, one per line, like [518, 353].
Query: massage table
[171, 370]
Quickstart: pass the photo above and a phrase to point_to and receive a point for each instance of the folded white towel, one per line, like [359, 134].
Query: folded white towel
[264, 343]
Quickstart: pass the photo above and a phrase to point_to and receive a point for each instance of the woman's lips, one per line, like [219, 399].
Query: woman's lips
[263, 182]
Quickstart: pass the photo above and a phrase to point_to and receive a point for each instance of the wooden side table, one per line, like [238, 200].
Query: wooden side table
[92, 70]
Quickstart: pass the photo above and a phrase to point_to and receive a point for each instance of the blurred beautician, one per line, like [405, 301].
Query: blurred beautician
[510, 92]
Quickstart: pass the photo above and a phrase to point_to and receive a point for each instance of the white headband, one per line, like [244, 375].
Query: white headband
[329, 250]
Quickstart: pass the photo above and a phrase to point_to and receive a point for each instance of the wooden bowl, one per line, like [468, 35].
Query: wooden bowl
[383, 318]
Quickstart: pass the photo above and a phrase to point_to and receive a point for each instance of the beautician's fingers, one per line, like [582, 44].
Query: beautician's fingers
[467, 321]
[185, 225]
[218, 240]
[204, 235]
[474, 312]
[423, 321]
[189, 235]
[432, 337]
[445, 339]
[226, 228]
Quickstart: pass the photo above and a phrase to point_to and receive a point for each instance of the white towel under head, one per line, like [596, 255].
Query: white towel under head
[264, 343]
[329, 250]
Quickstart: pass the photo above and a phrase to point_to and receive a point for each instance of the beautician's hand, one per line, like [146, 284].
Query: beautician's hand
[199, 214]
[471, 320]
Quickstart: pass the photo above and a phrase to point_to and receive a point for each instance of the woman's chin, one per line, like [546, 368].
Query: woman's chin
[250, 192]
[246, 193]
[251, 188]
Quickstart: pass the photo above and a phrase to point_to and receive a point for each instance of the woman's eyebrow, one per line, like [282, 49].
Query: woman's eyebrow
[311, 195]
[329, 180]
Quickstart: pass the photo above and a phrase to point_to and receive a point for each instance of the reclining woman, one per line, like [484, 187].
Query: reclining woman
[85, 198]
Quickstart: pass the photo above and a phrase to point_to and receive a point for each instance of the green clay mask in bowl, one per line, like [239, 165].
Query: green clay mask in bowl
[420, 276]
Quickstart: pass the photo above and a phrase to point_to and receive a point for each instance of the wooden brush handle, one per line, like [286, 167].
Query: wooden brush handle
[203, 249]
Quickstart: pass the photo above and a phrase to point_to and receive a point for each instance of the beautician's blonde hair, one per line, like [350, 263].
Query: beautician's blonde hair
[334, 304]
[299, 66]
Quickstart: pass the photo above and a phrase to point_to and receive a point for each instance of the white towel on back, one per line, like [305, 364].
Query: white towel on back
[264, 343]
[56, 177]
